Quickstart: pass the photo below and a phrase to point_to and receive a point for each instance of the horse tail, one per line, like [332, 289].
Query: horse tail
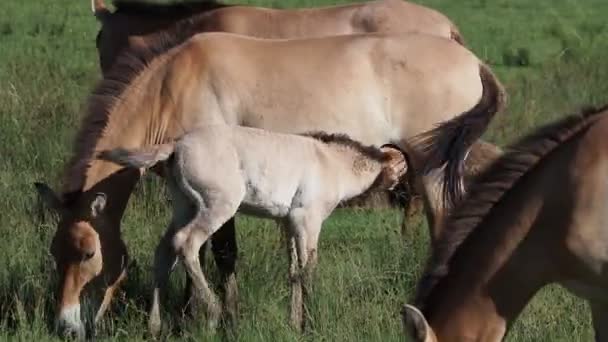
[100, 11]
[449, 143]
[143, 158]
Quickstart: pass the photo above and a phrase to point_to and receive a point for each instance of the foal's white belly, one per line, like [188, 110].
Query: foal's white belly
[268, 199]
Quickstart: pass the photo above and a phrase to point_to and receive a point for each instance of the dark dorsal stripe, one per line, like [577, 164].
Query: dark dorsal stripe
[343, 139]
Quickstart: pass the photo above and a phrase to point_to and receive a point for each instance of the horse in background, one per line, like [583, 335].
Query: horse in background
[133, 22]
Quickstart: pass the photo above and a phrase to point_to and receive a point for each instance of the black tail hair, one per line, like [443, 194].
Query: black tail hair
[449, 142]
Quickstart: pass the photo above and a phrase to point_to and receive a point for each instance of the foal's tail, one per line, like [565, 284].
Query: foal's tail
[143, 158]
[450, 142]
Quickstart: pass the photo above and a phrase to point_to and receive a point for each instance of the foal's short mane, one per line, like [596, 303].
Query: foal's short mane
[184, 8]
[491, 185]
[107, 93]
[371, 152]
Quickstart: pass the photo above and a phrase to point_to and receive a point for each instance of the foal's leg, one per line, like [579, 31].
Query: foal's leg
[304, 231]
[224, 247]
[165, 256]
[164, 262]
[189, 290]
[189, 241]
[599, 313]
[213, 212]
[295, 316]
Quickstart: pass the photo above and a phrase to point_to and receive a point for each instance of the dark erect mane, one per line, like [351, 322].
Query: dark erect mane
[130, 64]
[343, 139]
[489, 187]
[164, 10]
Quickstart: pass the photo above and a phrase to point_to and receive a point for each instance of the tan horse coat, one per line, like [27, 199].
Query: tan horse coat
[133, 22]
[376, 88]
[537, 216]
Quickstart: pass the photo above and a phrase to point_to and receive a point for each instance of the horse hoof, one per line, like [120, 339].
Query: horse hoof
[154, 327]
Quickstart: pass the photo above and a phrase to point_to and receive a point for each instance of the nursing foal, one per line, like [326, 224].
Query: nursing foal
[215, 171]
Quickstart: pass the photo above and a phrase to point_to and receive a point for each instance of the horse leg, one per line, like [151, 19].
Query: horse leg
[302, 227]
[109, 295]
[599, 313]
[295, 316]
[189, 241]
[312, 240]
[224, 247]
[188, 290]
[165, 259]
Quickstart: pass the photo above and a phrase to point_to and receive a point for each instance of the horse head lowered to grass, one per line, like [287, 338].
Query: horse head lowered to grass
[536, 216]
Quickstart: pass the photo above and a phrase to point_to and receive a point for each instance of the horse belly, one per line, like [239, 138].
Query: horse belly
[270, 197]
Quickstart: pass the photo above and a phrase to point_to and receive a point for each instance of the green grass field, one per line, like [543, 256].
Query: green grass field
[549, 53]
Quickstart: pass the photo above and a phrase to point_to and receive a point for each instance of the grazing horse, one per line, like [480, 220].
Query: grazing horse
[298, 180]
[133, 21]
[536, 216]
[376, 88]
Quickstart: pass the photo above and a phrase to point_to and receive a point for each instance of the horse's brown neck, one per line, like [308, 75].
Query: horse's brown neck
[144, 115]
[483, 308]
[499, 267]
[484, 312]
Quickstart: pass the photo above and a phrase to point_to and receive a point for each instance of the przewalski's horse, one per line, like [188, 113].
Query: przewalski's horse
[215, 171]
[536, 216]
[132, 22]
[376, 88]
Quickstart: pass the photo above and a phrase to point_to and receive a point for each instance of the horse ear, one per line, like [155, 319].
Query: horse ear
[99, 204]
[398, 159]
[394, 151]
[391, 146]
[48, 196]
[415, 324]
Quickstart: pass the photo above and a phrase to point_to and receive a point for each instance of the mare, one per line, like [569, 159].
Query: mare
[135, 24]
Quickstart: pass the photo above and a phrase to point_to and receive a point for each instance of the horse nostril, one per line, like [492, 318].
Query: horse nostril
[88, 255]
